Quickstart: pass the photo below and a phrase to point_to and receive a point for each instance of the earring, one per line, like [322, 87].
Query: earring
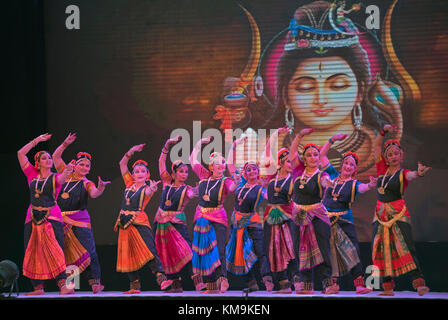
[357, 116]
[289, 119]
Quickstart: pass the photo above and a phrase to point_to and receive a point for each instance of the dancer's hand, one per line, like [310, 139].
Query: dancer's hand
[422, 169]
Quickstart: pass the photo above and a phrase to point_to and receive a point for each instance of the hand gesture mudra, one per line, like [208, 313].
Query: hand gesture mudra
[422, 169]
[153, 185]
[171, 142]
[70, 167]
[70, 138]
[102, 184]
[43, 137]
[339, 137]
[306, 131]
[372, 182]
[240, 140]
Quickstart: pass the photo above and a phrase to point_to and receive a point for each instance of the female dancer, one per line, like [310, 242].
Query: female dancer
[79, 242]
[280, 231]
[246, 245]
[311, 216]
[172, 240]
[393, 249]
[44, 233]
[135, 239]
[345, 253]
[209, 236]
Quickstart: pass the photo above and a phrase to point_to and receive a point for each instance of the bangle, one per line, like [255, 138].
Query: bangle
[420, 175]
[331, 141]
[382, 132]
[127, 155]
[165, 151]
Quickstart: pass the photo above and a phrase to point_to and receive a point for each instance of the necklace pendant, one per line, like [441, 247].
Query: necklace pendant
[206, 197]
[301, 186]
[65, 195]
[36, 195]
[335, 198]
[168, 203]
[381, 190]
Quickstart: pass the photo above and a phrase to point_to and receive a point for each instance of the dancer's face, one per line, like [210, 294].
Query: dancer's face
[394, 156]
[219, 166]
[45, 161]
[140, 174]
[348, 166]
[181, 173]
[287, 165]
[323, 91]
[312, 157]
[82, 168]
[251, 172]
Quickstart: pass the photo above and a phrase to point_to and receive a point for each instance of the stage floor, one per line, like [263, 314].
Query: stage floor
[195, 295]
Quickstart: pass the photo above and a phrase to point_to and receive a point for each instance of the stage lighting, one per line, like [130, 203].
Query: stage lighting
[9, 273]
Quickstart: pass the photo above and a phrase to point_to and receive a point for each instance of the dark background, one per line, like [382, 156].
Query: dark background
[34, 103]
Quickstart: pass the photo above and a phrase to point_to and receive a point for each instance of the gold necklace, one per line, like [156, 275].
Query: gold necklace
[66, 194]
[333, 192]
[241, 200]
[278, 189]
[304, 181]
[128, 199]
[382, 188]
[39, 192]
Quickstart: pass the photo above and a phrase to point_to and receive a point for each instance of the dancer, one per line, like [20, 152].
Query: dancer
[279, 230]
[79, 247]
[44, 233]
[210, 228]
[246, 244]
[338, 198]
[172, 240]
[311, 216]
[136, 245]
[393, 249]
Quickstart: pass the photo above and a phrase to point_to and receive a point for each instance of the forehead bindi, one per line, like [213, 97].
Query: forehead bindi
[323, 68]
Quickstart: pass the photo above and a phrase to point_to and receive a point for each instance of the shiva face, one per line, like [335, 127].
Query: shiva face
[323, 91]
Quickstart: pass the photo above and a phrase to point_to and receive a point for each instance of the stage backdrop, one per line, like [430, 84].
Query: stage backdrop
[136, 70]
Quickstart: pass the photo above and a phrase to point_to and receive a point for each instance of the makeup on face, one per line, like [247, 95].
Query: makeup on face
[323, 91]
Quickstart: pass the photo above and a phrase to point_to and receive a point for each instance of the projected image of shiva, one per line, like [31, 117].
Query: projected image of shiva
[324, 81]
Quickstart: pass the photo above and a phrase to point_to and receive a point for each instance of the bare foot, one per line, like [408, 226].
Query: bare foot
[65, 290]
[269, 286]
[422, 290]
[38, 292]
[363, 290]
[97, 288]
[284, 291]
[223, 285]
[200, 286]
[387, 293]
[132, 291]
[305, 292]
[165, 284]
[333, 289]
[210, 292]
